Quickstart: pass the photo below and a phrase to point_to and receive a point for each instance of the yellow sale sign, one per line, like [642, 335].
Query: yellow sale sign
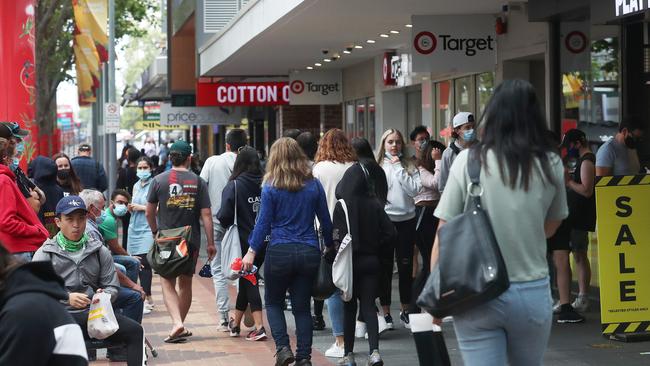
[623, 211]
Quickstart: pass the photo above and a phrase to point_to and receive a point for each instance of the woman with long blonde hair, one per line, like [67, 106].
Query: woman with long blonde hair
[291, 199]
[403, 185]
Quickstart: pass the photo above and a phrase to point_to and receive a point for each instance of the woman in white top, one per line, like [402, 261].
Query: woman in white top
[334, 156]
[403, 185]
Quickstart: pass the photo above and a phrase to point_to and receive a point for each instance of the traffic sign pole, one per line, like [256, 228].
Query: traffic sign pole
[110, 139]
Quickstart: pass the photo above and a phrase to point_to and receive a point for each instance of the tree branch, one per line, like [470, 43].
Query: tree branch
[44, 19]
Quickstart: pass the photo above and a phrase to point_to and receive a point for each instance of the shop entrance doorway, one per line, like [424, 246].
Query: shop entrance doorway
[531, 68]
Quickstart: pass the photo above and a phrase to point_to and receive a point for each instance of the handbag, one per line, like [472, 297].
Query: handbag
[342, 266]
[231, 247]
[170, 255]
[102, 322]
[323, 287]
[470, 270]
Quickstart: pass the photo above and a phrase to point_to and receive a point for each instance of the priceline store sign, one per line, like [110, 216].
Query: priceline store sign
[453, 43]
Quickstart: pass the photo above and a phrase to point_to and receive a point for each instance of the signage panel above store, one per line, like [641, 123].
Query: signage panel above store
[453, 43]
[315, 87]
[199, 115]
[630, 7]
[242, 94]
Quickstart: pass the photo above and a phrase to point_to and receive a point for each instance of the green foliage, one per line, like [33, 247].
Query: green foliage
[130, 14]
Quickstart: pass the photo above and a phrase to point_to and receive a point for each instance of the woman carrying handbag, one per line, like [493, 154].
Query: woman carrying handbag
[516, 169]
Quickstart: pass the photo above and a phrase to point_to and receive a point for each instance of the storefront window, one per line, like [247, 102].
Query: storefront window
[361, 117]
[463, 96]
[443, 102]
[371, 122]
[349, 120]
[484, 90]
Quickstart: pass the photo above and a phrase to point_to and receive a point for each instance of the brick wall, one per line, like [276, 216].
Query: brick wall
[309, 118]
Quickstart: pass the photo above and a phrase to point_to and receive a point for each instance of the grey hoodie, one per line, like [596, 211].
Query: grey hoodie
[94, 270]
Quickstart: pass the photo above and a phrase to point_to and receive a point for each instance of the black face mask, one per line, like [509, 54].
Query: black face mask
[63, 174]
[630, 142]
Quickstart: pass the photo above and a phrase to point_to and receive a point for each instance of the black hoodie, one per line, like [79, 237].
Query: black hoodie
[249, 198]
[370, 227]
[44, 171]
[36, 329]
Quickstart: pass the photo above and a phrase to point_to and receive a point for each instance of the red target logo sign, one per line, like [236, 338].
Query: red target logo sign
[575, 42]
[425, 42]
[297, 86]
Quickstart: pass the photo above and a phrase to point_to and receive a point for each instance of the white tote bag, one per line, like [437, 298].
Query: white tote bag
[342, 267]
[101, 318]
[230, 247]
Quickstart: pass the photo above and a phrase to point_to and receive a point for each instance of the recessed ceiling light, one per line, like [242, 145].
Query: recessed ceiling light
[409, 25]
[370, 41]
[358, 46]
[384, 35]
[347, 52]
[318, 64]
[327, 60]
[310, 68]
[394, 32]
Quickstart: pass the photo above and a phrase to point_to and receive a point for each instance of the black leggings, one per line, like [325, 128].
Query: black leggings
[145, 274]
[366, 274]
[129, 333]
[425, 235]
[404, 255]
[248, 294]
[318, 308]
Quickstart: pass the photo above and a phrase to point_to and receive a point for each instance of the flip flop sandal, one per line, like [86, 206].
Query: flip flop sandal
[185, 334]
[176, 339]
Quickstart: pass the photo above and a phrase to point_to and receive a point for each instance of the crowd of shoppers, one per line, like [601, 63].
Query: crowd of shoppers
[299, 207]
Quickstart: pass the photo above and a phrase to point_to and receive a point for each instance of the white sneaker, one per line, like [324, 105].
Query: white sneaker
[359, 329]
[148, 305]
[557, 307]
[335, 351]
[448, 319]
[383, 326]
[146, 310]
[581, 303]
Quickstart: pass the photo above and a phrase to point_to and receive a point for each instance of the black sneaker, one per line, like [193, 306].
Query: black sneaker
[404, 318]
[284, 357]
[234, 329]
[303, 362]
[319, 322]
[569, 315]
[389, 322]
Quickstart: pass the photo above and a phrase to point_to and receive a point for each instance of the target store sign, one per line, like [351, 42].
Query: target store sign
[453, 43]
[315, 87]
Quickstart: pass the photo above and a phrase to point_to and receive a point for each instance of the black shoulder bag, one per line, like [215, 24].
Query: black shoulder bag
[470, 270]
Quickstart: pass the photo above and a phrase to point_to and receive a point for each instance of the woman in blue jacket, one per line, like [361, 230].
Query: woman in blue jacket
[244, 191]
[291, 199]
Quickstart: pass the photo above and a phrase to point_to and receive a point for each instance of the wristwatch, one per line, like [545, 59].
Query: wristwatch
[250, 250]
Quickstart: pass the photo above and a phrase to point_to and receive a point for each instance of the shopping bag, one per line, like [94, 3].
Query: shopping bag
[231, 247]
[342, 266]
[429, 341]
[101, 318]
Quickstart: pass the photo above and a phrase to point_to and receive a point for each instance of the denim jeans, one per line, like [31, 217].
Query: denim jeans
[219, 281]
[131, 265]
[292, 267]
[335, 310]
[511, 329]
[129, 303]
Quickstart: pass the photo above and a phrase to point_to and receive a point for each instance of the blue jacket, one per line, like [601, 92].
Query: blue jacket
[90, 172]
[289, 216]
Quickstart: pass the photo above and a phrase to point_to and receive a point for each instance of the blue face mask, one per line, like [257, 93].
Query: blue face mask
[15, 163]
[100, 219]
[120, 210]
[144, 174]
[573, 152]
[390, 157]
[20, 147]
[469, 135]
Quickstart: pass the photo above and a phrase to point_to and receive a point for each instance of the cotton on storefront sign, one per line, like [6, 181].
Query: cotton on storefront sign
[315, 87]
[242, 94]
[453, 43]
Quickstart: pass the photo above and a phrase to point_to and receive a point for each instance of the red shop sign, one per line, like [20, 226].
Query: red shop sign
[242, 94]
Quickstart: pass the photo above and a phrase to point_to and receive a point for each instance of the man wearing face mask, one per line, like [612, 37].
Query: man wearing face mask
[418, 137]
[108, 228]
[14, 134]
[464, 135]
[618, 156]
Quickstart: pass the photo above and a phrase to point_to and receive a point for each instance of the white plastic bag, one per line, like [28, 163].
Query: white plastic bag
[101, 318]
[231, 247]
[342, 267]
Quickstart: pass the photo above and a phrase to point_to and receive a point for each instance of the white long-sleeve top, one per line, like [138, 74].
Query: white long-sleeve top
[429, 181]
[402, 188]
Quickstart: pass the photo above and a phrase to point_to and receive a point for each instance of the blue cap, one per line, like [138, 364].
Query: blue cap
[15, 130]
[70, 204]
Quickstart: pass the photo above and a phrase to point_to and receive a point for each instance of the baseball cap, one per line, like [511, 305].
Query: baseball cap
[69, 204]
[84, 147]
[182, 147]
[462, 118]
[14, 130]
[573, 135]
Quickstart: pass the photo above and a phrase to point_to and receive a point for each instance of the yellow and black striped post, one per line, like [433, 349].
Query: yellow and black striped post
[623, 223]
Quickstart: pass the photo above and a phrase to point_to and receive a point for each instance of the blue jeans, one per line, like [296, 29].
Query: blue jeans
[129, 303]
[218, 280]
[292, 267]
[511, 329]
[335, 309]
[131, 265]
